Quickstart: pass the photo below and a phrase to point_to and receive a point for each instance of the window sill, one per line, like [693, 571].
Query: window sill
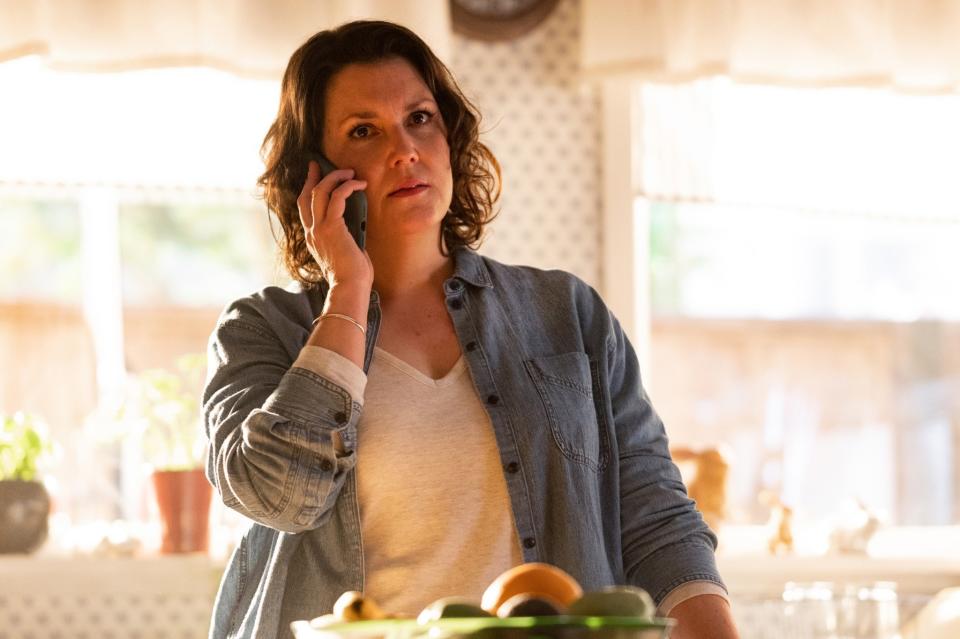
[921, 560]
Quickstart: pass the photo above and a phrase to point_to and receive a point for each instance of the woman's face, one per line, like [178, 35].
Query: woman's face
[382, 121]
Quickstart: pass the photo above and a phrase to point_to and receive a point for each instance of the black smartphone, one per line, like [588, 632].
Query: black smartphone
[355, 214]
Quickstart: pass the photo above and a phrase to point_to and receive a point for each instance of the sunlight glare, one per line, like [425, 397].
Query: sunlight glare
[178, 127]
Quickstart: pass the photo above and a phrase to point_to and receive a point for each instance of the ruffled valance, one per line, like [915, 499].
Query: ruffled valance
[249, 37]
[912, 45]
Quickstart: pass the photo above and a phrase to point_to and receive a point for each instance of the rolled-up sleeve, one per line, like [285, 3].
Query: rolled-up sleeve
[334, 367]
[665, 540]
[689, 590]
[272, 426]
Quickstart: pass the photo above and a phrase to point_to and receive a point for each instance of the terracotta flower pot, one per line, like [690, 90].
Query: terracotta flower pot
[24, 509]
[183, 497]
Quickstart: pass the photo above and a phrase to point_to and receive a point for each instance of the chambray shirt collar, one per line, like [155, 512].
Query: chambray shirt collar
[470, 267]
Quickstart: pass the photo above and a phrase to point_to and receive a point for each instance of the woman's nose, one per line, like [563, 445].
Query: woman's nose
[403, 150]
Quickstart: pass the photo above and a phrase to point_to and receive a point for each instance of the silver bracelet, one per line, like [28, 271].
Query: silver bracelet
[343, 317]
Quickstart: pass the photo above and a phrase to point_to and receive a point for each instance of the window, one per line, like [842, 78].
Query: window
[120, 248]
[803, 243]
[43, 335]
[165, 245]
[774, 262]
[40, 245]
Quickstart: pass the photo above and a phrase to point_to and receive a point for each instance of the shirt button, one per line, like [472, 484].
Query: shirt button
[456, 285]
[513, 467]
[493, 399]
[326, 465]
[456, 305]
[529, 542]
[471, 346]
[340, 418]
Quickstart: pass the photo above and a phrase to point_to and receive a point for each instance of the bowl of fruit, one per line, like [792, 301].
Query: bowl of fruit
[529, 601]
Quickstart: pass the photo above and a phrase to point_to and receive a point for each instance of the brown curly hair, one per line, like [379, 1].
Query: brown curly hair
[298, 130]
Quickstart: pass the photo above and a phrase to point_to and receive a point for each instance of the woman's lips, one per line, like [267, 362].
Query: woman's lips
[409, 192]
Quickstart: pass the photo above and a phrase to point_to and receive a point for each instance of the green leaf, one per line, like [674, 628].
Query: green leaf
[23, 442]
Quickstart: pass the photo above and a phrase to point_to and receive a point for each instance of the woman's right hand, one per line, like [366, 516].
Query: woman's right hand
[322, 203]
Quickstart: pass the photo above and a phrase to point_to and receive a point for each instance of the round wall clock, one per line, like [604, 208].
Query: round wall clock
[494, 20]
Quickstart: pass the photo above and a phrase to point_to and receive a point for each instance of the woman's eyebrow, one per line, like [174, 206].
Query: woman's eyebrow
[363, 115]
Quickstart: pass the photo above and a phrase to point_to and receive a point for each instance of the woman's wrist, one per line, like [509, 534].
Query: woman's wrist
[349, 298]
[339, 335]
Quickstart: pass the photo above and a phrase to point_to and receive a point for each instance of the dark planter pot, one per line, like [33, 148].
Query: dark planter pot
[24, 509]
[183, 497]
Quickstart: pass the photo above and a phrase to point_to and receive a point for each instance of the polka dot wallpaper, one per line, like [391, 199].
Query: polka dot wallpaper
[113, 615]
[543, 125]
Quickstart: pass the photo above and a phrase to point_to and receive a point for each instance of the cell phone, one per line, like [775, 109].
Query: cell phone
[355, 214]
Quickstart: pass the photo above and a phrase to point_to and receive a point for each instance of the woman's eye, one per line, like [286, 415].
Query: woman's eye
[360, 131]
[421, 117]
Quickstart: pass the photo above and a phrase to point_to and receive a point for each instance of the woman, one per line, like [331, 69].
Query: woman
[412, 420]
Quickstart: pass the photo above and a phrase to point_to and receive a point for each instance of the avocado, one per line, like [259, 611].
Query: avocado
[449, 608]
[530, 605]
[615, 601]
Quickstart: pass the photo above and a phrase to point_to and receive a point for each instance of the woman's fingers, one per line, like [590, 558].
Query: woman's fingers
[321, 205]
[312, 202]
[305, 201]
[320, 195]
[337, 199]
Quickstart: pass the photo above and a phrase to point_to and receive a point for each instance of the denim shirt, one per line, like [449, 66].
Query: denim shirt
[591, 484]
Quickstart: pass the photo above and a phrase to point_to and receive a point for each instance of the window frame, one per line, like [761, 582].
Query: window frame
[625, 280]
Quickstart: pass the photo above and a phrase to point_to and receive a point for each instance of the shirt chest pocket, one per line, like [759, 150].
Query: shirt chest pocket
[568, 385]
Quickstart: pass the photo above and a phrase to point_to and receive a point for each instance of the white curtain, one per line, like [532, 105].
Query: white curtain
[248, 37]
[913, 45]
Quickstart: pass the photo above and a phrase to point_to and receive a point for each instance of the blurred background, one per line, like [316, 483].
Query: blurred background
[766, 194]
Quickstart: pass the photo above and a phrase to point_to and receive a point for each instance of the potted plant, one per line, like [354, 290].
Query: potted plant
[164, 409]
[24, 501]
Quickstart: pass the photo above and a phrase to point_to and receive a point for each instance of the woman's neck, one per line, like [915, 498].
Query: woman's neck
[409, 268]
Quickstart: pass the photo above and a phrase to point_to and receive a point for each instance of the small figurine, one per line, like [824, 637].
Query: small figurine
[853, 537]
[708, 487]
[780, 524]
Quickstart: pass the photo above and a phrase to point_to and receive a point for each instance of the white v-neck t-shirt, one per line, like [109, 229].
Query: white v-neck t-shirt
[435, 514]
